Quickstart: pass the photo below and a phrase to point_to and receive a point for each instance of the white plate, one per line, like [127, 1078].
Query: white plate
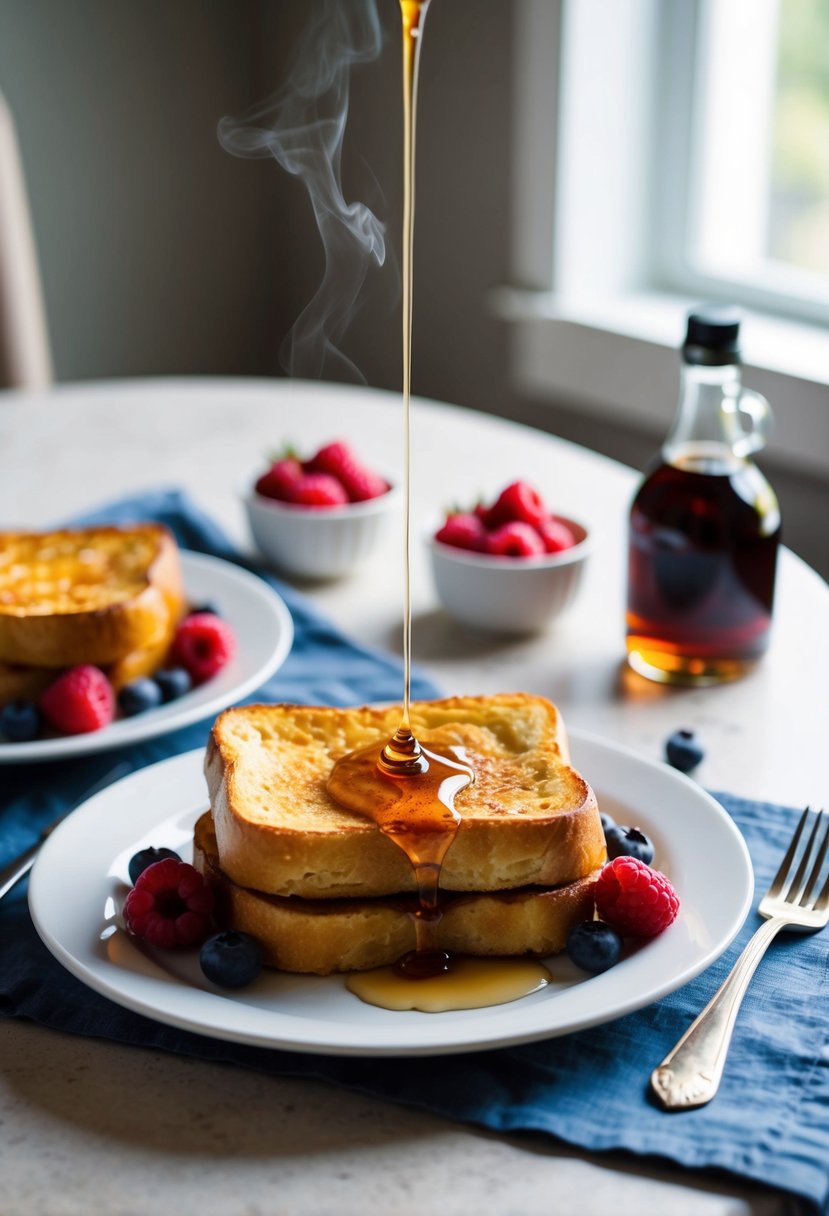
[74, 909]
[264, 632]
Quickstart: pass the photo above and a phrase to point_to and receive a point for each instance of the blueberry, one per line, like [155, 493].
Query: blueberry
[20, 721]
[683, 750]
[173, 682]
[594, 946]
[206, 607]
[231, 959]
[628, 842]
[147, 857]
[138, 697]
[607, 821]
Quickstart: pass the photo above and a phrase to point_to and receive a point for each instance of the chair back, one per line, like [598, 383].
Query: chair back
[25, 355]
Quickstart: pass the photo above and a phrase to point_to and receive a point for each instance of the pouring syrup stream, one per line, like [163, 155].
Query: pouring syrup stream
[407, 790]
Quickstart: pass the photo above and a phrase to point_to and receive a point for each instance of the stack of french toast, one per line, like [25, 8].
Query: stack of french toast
[107, 596]
[324, 890]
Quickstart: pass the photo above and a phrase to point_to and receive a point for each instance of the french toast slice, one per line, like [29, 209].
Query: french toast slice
[528, 819]
[88, 595]
[323, 936]
[27, 683]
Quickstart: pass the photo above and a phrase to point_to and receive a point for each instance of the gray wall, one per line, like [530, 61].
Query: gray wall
[162, 254]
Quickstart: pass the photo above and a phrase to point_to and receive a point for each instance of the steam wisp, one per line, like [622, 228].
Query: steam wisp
[302, 127]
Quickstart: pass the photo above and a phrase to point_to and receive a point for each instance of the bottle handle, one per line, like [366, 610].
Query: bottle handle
[754, 418]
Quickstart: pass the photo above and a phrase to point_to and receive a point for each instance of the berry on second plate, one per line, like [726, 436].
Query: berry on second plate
[635, 900]
[463, 531]
[205, 607]
[139, 696]
[170, 906]
[173, 682]
[79, 701]
[628, 842]
[515, 540]
[203, 645]
[594, 946]
[20, 721]
[144, 858]
[683, 750]
[231, 959]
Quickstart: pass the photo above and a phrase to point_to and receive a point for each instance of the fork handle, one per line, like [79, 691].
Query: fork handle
[690, 1075]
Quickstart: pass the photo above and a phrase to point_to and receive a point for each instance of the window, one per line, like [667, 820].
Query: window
[749, 165]
[668, 152]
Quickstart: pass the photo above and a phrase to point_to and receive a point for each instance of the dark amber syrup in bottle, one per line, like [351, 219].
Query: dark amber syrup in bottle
[704, 532]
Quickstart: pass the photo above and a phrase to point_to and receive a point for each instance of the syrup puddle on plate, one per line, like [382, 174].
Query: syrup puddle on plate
[470, 983]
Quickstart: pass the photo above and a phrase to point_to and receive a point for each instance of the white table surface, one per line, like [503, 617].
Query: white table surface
[93, 1127]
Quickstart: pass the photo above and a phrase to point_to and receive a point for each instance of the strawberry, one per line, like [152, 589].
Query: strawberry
[515, 539]
[338, 460]
[170, 906]
[555, 534]
[318, 490]
[519, 502]
[463, 531]
[203, 644]
[80, 700]
[280, 478]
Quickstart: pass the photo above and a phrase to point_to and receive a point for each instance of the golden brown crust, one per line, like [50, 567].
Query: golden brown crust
[87, 595]
[529, 818]
[323, 936]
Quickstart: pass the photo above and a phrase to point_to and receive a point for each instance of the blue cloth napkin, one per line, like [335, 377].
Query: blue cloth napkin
[770, 1121]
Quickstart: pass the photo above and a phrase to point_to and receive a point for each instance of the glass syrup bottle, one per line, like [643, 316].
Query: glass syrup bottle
[704, 525]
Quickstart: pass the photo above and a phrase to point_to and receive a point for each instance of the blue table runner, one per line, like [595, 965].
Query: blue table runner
[770, 1121]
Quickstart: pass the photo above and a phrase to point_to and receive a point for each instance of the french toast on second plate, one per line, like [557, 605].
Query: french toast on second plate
[109, 596]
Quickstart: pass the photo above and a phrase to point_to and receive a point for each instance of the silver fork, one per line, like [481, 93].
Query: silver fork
[690, 1075]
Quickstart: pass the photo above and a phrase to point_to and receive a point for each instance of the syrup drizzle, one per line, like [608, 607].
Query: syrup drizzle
[407, 790]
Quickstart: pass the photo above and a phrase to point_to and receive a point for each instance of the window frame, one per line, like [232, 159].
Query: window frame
[595, 316]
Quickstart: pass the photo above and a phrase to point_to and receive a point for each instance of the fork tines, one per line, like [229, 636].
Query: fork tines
[809, 867]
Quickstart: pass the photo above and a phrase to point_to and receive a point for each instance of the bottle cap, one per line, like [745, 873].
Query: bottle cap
[713, 337]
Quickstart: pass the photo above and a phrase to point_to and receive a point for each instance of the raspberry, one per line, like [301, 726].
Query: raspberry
[170, 906]
[463, 531]
[556, 535]
[515, 540]
[519, 502]
[634, 899]
[338, 460]
[318, 490]
[79, 701]
[278, 482]
[203, 645]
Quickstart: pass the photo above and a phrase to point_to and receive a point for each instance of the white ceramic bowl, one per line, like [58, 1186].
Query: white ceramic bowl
[318, 542]
[509, 594]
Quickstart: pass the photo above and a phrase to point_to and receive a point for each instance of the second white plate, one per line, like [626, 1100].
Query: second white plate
[74, 909]
[264, 632]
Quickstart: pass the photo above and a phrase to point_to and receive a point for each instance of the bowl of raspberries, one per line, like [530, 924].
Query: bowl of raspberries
[320, 516]
[510, 565]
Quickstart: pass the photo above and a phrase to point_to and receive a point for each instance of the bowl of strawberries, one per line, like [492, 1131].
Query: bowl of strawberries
[320, 516]
[511, 565]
